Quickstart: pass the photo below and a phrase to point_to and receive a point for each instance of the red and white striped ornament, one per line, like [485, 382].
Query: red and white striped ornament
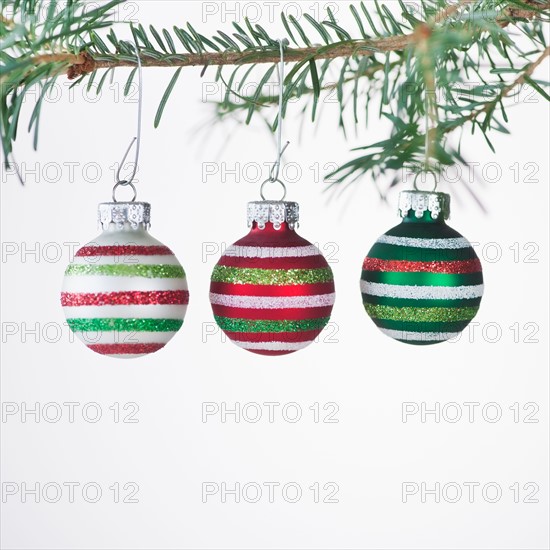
[272, 292]
[125, 293]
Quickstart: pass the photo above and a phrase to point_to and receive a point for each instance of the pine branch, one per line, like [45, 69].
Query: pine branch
[397, 61]
[343, 49]
[79, 65]
[505, 92]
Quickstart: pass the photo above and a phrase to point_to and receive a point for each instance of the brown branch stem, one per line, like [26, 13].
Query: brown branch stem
[84, 63]
[349, 49]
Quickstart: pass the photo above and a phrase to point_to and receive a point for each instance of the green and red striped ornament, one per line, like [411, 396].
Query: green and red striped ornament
[125, 293]
[272, 291]
[422, 281]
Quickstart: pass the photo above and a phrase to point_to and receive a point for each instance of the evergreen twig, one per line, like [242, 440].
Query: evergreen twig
[398, 60]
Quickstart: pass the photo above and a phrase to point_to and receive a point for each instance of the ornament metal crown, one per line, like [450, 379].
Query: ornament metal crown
[275, 212]
[136, 214]
[437, 204]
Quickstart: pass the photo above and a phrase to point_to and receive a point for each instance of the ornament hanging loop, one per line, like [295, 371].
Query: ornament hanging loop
[125, 184]
[275, 169]
[136, 140]
[424, 173]
[273, 181]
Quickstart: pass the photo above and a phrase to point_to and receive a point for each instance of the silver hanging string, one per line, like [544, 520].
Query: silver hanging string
[426, 168]
[127, 182]
[275, 169]
[274, 173]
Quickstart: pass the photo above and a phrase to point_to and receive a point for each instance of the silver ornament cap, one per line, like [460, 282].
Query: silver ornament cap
[275, 212]
[135, 214]
[437, 204]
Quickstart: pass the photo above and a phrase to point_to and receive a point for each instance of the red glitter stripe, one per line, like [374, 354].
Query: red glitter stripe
[124, 250]
[296, 262]
[272, 290]
[304, 336]
[122, 349]
[454, 267]
[165, 297]
[286, 314]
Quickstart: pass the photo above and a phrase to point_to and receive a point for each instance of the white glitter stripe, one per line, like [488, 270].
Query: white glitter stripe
[127, 259]
[104, 283]
[414, 292]
[273, 346]
[142, 311]
[124, 337]
[271, 252]
[419, 336]
[459, 242]
[272, 302]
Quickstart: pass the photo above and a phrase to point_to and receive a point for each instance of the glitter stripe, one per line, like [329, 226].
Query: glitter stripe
[274, 346]
[304, 336]
[124, 250]
[125, 349]
[271, 252]
[272, 302]
[263, 290]
[452, 267]
[131, 337]
[410, 336]
[238, 275]
[147, 311]
[304, 262]
[125, 298]
[126, 260]
[248, 325]
[125, 325]
[421, 314]
[422, 292]
[99, 283]
[288, 314]
[404, 302]
[457, 242]
[123, 270]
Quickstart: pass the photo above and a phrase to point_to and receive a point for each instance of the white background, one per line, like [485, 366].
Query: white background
[170, 452]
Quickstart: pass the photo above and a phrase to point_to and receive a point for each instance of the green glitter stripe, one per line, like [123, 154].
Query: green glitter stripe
[122, 270]
[422, 279]
[124, 325]
[255, 276]
[251, 325]
[407, 302]
[422, 326]
[421, 314]
[415, 254]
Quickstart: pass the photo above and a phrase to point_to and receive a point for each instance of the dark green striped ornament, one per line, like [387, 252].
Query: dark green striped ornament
[422, 281]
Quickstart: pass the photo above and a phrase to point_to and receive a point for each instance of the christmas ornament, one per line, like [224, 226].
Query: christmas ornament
[422, 281]
[272, 291]
[125, 293]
